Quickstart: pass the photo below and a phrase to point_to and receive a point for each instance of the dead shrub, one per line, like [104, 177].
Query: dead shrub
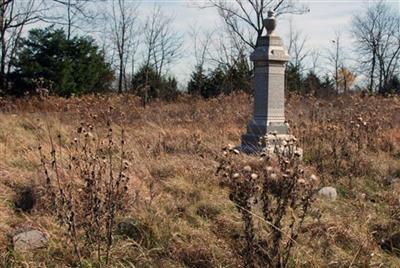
[87, 188]
[274, 191]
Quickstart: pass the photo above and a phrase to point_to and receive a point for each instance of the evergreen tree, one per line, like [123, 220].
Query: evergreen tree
[148, 84]
[65, 67]
[198, 82]
[222, 80]
[215, 86]
[327, 87]
[311, 84]
[293, 78]
[238, 77]
[392, 87]
[206, 86]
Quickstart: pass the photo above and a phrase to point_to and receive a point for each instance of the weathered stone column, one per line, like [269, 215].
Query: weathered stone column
[269, 59]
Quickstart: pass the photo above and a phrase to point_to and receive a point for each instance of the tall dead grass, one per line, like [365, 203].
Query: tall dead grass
[177, 214]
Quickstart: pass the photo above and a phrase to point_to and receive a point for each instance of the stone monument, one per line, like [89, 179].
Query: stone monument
[269, 59]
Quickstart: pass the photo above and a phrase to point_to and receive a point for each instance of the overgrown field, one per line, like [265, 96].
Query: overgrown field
[182, 217]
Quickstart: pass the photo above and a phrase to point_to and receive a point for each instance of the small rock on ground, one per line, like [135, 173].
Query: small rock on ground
[29, 240]
[328, 192]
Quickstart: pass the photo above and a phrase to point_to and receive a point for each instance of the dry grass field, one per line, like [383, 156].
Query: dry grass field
[181, 214]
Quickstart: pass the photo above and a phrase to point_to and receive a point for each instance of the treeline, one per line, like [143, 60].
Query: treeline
[91, 47]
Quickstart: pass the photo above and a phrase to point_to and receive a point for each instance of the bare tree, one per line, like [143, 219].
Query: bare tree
[74, 12]
[314, 57]
[228, 55]
[163, 44]
[201, 44]
[296, 47]
[244, 18]
[226, 50]
[124, 19]
[14, 17]
[378, 37]
[336, 58]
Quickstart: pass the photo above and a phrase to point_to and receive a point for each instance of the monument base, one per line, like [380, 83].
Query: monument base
[254, 140]
[271, 139]
[271, 144]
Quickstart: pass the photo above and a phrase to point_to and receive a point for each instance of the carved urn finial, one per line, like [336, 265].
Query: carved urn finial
[270, 22]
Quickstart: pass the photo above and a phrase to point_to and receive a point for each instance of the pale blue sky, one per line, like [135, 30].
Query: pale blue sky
[319, 25]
